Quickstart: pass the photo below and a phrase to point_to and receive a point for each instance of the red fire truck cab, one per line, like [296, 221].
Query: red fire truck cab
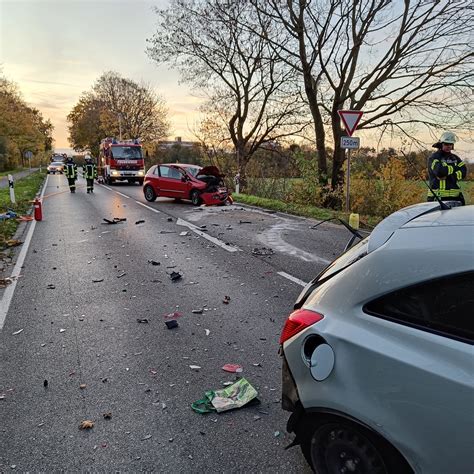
[121, 160]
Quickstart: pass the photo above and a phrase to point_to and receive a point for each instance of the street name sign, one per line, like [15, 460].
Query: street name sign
[351, 119]
[350, 143]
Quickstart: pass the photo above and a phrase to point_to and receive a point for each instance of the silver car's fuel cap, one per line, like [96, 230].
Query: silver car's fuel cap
[322, 362]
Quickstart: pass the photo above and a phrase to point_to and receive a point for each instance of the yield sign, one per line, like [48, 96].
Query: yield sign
[351, 119]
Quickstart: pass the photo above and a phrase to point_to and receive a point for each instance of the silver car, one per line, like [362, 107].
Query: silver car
[377, 356]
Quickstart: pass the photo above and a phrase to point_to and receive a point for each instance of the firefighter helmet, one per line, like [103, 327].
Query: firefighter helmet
[448, 137]
[88, 157]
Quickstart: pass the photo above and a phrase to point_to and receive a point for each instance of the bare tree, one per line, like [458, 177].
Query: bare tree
[249, 89]
[113, 105]
[407, 64]
[136, 108]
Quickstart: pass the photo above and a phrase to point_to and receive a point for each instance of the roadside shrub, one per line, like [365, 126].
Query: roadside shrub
[386, 192]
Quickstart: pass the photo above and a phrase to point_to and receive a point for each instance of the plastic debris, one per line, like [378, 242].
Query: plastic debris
[207, 332]
[139, 222]
[173, 315]
[172, 324]
[115, 220]
[45, 383]
[170, 219]
[17, 332]
[50, 287]
[107, 416]
[195, 367]
[86, 425]
[97, 280]
[262, 251]
[82, 386]
[235, 396]
[184, 233]
[121, 275]
[197, 311]
[233, 368]
[153, 262]
[226, 300]
[142, 320]
[146, 437]
[175, 276]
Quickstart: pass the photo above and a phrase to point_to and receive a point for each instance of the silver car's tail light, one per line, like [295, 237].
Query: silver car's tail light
[298, 321]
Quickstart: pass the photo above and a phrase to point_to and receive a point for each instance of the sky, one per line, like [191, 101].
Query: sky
[56, 49]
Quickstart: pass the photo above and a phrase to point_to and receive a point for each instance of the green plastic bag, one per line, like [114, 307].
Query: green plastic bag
[229, 398]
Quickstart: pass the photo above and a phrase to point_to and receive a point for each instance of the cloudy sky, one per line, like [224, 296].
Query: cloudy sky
[56, 49]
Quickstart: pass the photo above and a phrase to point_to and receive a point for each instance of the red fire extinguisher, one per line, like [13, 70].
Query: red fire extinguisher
[38, 210]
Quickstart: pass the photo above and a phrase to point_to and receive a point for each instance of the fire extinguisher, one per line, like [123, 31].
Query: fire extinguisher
[38, 210]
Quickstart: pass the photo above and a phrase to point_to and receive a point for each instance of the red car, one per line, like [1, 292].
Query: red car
[180, 181]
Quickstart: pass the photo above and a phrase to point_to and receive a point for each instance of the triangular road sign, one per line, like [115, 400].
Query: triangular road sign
[351, 119]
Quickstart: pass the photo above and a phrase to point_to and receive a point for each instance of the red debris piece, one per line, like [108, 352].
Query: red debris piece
[234, 368]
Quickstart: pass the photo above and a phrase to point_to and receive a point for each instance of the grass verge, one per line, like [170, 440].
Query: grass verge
[25, 191]
[301, 210]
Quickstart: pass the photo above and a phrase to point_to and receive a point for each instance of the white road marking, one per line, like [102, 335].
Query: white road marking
[292, 278]
[148, 207]
[10, 289]
[123, 195]
[218, 242]
[106, 187]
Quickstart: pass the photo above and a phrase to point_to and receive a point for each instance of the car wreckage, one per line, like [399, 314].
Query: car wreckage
[200, 185]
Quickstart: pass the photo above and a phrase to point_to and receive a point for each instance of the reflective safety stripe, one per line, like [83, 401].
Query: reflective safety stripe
[434, 164]
[459, 174]
[445, 193]
[450, 169]
[442, 184]
[461, 163]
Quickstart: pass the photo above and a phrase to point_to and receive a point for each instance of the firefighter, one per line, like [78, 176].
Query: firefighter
[70, 171]
[445, 169]
[89, 171]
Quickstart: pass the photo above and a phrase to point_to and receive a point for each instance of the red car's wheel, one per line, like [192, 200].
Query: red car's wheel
[149, 193]
[195, 197]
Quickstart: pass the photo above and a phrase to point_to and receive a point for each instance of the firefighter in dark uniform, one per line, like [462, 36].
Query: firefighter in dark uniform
[70, 171]
[89, 171]
[445, 169]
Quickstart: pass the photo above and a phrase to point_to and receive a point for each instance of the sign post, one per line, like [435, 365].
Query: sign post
[351, 119]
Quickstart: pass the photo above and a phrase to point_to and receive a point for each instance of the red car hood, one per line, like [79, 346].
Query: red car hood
[210, 171]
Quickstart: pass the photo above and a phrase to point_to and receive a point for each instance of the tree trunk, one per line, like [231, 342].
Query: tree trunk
[318, 126]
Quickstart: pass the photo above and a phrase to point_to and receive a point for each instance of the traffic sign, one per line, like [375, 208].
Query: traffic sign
[28, 155]
[350, 143]
[350, 119]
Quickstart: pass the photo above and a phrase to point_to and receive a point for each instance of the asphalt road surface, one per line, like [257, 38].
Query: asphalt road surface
[73, 349]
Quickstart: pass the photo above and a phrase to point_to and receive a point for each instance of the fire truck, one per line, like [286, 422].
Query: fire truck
[121, 160]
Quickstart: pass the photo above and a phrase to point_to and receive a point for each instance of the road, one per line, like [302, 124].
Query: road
[73, 349]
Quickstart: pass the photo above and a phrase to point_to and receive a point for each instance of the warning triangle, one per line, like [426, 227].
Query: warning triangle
[351, 119]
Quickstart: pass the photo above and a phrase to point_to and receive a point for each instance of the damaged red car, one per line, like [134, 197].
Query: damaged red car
[181, 181]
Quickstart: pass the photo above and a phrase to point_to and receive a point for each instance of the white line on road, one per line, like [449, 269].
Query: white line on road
[218, 242]
[292, 278]
[148, 207]
[123, 195]
[10, 289]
